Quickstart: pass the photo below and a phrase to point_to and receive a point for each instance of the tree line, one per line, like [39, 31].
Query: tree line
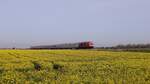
[128, 46]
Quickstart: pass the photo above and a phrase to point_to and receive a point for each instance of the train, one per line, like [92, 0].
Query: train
[79, 45]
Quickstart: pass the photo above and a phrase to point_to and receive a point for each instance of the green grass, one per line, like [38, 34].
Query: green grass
[74, 67]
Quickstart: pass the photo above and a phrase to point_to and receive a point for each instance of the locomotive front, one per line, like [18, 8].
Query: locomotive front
[86, 45]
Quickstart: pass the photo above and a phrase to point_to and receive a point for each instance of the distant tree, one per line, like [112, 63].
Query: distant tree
[130, 46]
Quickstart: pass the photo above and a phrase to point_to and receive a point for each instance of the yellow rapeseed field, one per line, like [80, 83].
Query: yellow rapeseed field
[73, 67]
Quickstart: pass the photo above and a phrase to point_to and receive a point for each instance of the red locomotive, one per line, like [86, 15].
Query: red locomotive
[84, 45]
[79, 45]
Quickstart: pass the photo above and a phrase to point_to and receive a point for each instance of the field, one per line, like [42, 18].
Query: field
[73, 67]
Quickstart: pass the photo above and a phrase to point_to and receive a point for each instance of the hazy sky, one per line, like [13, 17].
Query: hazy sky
[106, 22]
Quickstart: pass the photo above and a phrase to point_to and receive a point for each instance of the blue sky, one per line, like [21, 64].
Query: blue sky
[105, 22]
